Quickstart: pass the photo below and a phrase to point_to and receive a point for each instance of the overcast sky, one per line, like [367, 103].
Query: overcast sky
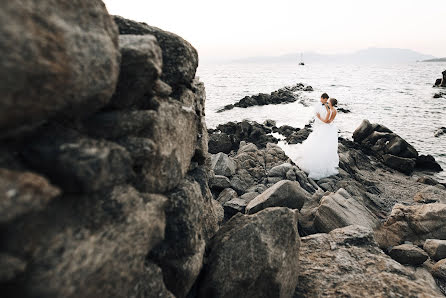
[244, 28]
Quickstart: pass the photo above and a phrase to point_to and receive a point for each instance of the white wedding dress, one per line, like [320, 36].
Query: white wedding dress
[318, 154]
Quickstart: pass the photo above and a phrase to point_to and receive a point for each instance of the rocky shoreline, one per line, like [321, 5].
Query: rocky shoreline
[286, 94]
[111, 185]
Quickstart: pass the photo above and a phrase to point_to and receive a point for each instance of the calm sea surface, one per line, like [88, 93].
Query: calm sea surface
[398, 96]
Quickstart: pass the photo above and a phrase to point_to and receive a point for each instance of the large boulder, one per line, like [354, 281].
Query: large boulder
[348, 263]
[393, 150]
[141, 64]
[431, 194]
[222, 164]
[341, 209]
[180, 255]
[435, 248]
[180, 59]
[78, 256]
[57, 60]
[284, 193]
[408, 254]
[412, 223]
[254, 256]
[439, 269]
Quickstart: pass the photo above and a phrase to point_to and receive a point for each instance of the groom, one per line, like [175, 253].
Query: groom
[324, 98]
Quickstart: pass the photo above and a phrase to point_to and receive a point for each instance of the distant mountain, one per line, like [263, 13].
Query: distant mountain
[370, 55]
[435, 60]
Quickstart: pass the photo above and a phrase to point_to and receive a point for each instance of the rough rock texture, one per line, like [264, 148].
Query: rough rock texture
[223, 165]
[440, 131]
[348, 263]
[340, 209]
[65, 61]
[254, 256]
[115, 203]
[284, 193]
[413, 223]
[283, 95]
[435, 248]
[180, 59]
[408, 254]
[439, 269]
[431, 194]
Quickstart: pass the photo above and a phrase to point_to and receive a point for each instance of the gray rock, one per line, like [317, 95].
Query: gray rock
[23, 192]
[249, 196]
[226, 195]
[431, 194]
[219, 182]
[439, 269]
[435, 248]
[222, 164]
[412, 223]
[180, 254]
[440, 131]
[254, 256]
[78, 163]
[180, 59]
[280, 170]
[427, 180]
[408, 254]
[282, 194]
[348, 263]
[340, 209]
[235, 205]
[141, 64]
[220, 142]
[402, 164]
[77, 257]
[65, 61]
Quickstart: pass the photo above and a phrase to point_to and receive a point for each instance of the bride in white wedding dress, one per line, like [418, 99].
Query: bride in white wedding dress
[318, 154]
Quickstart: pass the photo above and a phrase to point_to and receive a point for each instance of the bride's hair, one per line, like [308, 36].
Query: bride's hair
[333, 101]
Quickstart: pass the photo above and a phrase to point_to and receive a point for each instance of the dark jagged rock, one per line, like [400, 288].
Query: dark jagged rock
[254, 256]
[342, 110]
[381, 141]
[283, 95]
[65, 62]
[427, 162]
[235, 132]
[437, 83]
[180, 59]
[435, 248]
[440, 131]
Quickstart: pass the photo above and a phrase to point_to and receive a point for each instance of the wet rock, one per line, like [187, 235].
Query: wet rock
[435, 248]
[180, 59]
[408, 254]
[402, 164]
[357, 267]
[440, 131]
[427, 162]
[284, 193]
[341, 209]
[412, 223]
[78, 163]
[65, 63]
[431, 194]
[283, 95]
[222, 164]
[226, 195]
[23, 192]
[260, 251]
[91, 234]
[141, 62]
[342, 110]
[248, 131]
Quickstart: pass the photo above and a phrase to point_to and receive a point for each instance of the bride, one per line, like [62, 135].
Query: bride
[318, 154]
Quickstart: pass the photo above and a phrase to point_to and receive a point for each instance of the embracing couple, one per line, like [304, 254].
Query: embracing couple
[318, 154]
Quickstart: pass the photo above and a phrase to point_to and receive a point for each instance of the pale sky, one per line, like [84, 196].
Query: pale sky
[245, 28]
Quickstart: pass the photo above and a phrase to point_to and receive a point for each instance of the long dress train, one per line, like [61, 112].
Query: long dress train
[318, 154]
